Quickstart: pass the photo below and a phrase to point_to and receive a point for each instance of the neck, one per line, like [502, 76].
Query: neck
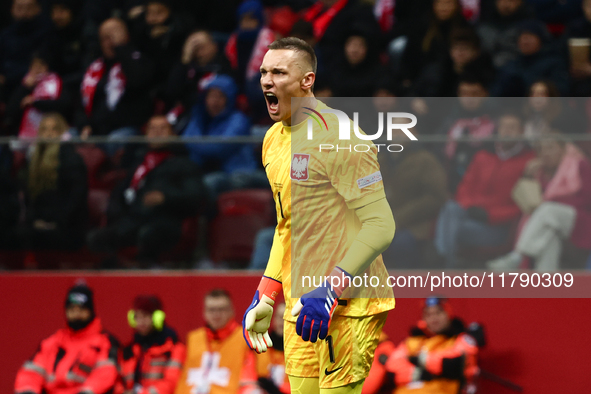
[308, 100]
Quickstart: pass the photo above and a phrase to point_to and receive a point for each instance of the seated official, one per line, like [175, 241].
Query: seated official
[152, 362]
[218, 359]
[439, 356]
[79, 359]
[148, 208]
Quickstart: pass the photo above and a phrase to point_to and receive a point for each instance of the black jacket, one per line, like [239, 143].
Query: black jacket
[182, 84]
[177, 177]
[17, 42]
[135, 105]
[67, 204]
[14, 112]
[164, 50]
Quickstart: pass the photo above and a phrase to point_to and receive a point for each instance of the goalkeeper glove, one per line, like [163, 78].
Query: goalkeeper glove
[257, 318]
[315, 309]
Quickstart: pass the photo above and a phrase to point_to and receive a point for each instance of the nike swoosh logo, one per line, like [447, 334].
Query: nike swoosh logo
[327, 372]
[267, 165]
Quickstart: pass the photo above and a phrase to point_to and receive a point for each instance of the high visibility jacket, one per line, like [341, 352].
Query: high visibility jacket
[271, 366]
[434, 364]
[218, 362]
[155, 369]
[72, 362]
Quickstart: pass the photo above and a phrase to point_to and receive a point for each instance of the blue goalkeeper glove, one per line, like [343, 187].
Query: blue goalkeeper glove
[315, 309]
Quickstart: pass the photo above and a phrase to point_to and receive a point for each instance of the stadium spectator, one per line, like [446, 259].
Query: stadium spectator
[248, 44]
[483, 210]
[564, 210]
[581, 70]
[218, 359]
[359, 71]
[229, 165]
[416, 187]
[471, 118]
[159, 33]
[152, 362]
[201, 60]
[440, 354]
[148, 208]
[115, 89]
[67, 43]
[56, 191]
[465, 56]
[537, 60]
[542, 109]
[332, 21]
[27, 33]
[556, 13]
[271, 364]
[245, 50]
[41, 91]
[428, 39]
[500, 30]
[82, 358]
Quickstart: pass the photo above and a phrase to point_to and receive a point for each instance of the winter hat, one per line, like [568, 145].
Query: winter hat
[253, 7]
[441, 302]
[80, 295]
[147, 303]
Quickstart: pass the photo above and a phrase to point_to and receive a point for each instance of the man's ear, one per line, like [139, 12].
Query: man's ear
[308, 81]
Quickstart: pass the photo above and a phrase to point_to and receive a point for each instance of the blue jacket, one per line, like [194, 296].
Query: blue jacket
[229, 123]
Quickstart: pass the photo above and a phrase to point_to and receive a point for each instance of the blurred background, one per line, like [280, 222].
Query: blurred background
[131, 131]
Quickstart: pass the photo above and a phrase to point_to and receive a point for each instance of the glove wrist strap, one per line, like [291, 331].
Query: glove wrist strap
[339, 280]
[270, 288]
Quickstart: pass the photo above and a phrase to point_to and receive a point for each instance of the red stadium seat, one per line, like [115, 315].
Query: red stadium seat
[242, 213]
[100, 176]
[98, 201]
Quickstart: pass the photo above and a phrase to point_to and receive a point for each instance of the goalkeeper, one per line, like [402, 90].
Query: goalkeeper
[344, 223]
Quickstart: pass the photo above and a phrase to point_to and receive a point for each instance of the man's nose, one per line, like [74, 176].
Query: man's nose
[266, 81]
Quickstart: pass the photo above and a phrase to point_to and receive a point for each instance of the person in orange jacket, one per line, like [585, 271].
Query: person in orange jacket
[440, 356]
[79, 359]
[218, 360]
[271, 364]
[152, 362]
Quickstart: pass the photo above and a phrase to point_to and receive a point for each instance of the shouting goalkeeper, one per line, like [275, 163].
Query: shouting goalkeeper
[343, 224]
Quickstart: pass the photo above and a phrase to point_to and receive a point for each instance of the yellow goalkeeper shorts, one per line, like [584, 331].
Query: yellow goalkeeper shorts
[344, 357]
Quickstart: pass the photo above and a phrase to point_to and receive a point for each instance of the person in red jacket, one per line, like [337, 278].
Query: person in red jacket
[152, 362]
[483, 210]
[80, 359]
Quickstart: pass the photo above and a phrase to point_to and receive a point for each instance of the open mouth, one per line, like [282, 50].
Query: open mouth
[272, 102]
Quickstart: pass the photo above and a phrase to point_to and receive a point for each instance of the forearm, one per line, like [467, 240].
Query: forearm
[376, 234]
[275, 263]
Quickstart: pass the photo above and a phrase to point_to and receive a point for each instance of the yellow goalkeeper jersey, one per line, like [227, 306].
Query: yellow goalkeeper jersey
[316, 192]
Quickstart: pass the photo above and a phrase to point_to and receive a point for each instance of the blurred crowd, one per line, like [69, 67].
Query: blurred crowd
[440, 354]
[73, 70]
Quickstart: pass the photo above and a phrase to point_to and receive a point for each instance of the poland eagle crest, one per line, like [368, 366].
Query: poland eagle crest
[299, 166]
